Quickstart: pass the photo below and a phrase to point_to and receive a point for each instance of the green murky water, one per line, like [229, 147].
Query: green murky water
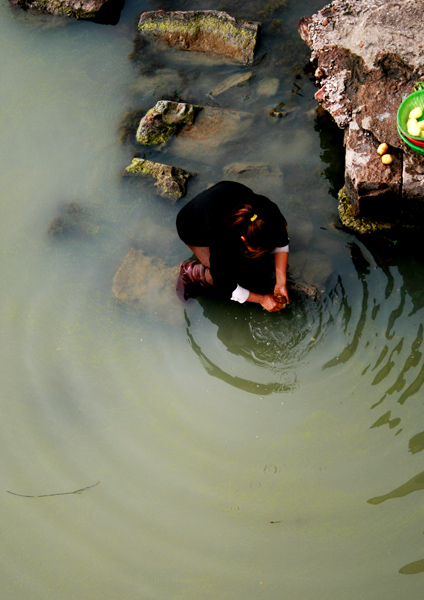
[239, 454]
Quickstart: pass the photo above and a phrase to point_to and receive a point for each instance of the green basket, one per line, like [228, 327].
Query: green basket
[410, 102]
[410, 144]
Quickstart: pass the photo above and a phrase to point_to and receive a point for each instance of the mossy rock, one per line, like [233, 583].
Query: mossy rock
[165, 119]
[209, 31]
[170, 181]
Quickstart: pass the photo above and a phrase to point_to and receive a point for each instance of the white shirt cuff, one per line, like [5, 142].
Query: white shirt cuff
[240, 294]
[280, 249]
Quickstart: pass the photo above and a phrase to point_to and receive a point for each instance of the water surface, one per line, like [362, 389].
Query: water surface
[239, 454]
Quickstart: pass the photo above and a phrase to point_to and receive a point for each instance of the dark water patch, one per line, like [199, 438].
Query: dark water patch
[416, 443]
[413, 568]
[415, 484]
[386, 420]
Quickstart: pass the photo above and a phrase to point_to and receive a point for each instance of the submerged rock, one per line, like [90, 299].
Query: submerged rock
[164, 120]
[234, 80]
[146, 283]
[213, 129]
[240, 170]
[171, 181]
[71, 220]
[210, 31]
[198, 130]
[103, 11]
[366, 64]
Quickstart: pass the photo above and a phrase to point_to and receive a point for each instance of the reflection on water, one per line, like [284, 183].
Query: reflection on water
[413, 485]
[238, 452]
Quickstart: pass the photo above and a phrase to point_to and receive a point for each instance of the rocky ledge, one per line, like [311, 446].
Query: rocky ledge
[368, 57]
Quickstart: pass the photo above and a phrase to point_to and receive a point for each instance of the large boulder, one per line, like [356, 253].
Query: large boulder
[367, 61]
[211, 31]
[103, 11]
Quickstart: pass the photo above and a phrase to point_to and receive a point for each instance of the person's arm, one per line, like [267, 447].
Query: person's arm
[280, 289]
[268, 301]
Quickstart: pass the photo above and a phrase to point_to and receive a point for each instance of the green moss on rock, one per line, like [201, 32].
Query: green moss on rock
[203, 31]
[358, 224]
[164, 120]
[171, 181]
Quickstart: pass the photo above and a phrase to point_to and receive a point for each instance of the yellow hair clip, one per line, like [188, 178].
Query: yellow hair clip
[254, 217]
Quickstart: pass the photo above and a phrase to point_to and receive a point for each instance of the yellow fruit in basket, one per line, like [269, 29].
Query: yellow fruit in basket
[382, 149]
[413, 128]
[416, 113]
[421, 124]
[386, 159]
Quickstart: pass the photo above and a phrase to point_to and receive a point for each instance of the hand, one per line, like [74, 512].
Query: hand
[280, 291]
[271, 303]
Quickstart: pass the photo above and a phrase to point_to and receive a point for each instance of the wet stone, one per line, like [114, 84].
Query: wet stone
[213, 129]
[268, 87]
[170, 181]
[209, 31]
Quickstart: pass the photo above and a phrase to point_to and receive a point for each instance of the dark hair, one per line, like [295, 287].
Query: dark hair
[260, 235]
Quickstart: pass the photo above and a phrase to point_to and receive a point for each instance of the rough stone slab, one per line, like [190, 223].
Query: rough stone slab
[368, 28]
[164, 120]
[170, 181]
[373, 188]
[146, 283]
[210, 31]
[106, 11]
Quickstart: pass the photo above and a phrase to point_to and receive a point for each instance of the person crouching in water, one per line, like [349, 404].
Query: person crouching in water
[234, 233]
